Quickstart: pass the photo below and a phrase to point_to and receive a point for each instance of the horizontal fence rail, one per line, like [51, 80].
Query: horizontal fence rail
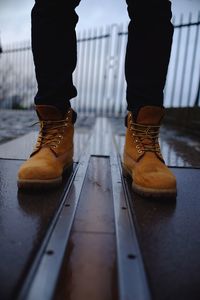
[99, 75]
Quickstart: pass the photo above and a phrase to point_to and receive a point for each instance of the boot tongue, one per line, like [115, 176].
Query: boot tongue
[150, 115]
[49, 113]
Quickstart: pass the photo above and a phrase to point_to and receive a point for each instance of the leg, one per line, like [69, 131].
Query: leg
[147, 57]
[148, 50]
[54, 50]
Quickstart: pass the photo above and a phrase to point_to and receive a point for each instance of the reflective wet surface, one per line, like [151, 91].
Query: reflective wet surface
[168, 233]
[89, 269]
[24, 220]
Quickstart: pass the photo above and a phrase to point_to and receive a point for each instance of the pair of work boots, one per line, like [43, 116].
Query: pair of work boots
[142, 159]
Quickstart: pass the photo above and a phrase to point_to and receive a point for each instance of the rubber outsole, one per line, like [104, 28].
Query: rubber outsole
[149, 192]
[38, 184]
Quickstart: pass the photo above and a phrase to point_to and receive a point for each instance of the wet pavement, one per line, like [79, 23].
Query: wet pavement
[94, 223]
[15, 123]
[24, 220]
[168, 233]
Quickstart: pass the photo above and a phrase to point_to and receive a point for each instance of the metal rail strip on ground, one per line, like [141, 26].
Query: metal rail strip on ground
[42, 279]
[132, 281]
[131, 273]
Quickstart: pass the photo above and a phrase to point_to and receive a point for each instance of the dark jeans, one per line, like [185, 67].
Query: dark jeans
[147, 56]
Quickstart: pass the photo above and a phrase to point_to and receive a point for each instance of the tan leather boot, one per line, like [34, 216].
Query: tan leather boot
[53, 153]
[142, 159]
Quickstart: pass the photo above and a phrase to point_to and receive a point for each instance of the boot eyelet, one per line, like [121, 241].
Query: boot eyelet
[138, 147]
[140, 151]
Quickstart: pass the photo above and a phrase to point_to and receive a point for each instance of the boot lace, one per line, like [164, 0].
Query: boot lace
[51, 133]
[146, 136]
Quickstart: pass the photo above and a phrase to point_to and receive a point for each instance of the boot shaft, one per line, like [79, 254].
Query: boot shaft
[143, 132]
[56, 130]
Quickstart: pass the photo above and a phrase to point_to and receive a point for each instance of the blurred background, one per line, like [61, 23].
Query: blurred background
[99, 76]
[15, 15]
[102, 38]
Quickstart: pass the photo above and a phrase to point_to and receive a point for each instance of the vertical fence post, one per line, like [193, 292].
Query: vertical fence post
[184, 62]
[93, 99]
[176, 61]
[114, 67]
[123, 34]
[196, 39]
[105, 69]
[81, 66]
[196, 103]
[98, 78]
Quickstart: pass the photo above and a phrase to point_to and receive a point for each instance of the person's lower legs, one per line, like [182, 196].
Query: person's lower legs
[148, 50]
[150, 34]
[54, 50]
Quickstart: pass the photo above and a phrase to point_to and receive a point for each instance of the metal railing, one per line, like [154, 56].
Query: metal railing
[99, 75]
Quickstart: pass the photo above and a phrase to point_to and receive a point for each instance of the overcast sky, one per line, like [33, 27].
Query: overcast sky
[15, 15]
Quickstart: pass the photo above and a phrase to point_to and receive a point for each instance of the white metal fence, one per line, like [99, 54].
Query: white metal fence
[99, 76]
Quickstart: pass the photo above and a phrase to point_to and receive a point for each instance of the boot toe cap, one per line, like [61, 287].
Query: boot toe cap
[156, 180]
[38, 171]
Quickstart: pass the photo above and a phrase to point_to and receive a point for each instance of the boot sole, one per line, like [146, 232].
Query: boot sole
[37, 184]
[149, 192]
